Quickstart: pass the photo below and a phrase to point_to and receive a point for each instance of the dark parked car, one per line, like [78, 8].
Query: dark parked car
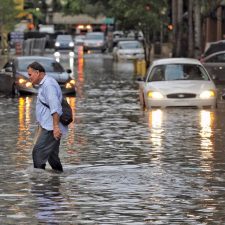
[64, 42]
[21, 84]
[215, 65]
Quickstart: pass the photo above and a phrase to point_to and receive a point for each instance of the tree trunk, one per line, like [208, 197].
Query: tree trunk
[197, 23]
[174, 22]
[179, 26]
[190, 29]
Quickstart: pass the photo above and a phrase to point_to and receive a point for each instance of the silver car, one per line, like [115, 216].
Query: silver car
[128, 50]
[95, 41]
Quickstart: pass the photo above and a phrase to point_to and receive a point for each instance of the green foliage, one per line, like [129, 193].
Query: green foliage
[73, 6]
[145, 15]
[8, 15]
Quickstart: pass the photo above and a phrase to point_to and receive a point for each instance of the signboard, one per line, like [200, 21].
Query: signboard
[109, 20]
[16, 37]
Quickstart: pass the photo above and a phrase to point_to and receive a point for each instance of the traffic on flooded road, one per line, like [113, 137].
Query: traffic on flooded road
[122, 164]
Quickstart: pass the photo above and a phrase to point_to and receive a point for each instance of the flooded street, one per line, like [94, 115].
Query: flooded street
[122, 165]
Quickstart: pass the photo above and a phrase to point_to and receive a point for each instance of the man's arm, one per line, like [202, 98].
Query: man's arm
[56, 130]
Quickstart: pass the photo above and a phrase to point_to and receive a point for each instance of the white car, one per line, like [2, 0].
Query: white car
[125, 50]
[177, 82]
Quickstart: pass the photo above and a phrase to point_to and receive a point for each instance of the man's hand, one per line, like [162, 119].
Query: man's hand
[57, 132]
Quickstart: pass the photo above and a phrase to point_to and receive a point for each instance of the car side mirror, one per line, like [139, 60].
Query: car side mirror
[69, 71]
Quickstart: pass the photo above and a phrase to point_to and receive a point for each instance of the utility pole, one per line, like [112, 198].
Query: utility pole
[1, 30]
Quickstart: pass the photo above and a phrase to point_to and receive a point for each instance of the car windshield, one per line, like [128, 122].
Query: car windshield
[130, 45]
[178, 72]
[64, 38]
[94, 37]
[48, 64]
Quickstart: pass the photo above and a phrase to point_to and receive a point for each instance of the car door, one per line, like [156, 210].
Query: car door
[215, 66]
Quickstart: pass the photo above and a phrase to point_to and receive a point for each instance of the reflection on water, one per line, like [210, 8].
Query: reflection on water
[24, 138]
[48, 198]
[206, 135]
[72, 126]
[155, 123]
[206, 122]
[80, 72]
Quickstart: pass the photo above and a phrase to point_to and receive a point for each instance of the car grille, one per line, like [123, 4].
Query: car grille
[181, 95]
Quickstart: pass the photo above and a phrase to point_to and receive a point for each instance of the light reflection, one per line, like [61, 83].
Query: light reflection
[24, 141]
[71, 64]
[80, 71]
[155, 124]
[71, 133]
[206, 130]
[58, 57]
[206, 121]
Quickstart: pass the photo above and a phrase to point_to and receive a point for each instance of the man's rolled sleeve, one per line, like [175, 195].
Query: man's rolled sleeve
[54, 102]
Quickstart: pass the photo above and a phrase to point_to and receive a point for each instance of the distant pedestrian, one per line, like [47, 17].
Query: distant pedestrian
[48, 111]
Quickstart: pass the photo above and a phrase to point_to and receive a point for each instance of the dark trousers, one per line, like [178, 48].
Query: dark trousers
[46, 148]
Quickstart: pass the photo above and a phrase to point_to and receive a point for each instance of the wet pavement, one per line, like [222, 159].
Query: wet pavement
[122, 165]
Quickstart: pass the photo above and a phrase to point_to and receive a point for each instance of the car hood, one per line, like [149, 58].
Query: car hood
[60, 77]
[131, 51]
[182, 86]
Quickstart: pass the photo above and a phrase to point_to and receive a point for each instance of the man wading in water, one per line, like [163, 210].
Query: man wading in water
[50, 129]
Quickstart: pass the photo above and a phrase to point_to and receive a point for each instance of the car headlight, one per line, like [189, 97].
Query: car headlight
[22, 81]
[154, 95]
[57, 44]
[71, 44]
[29, 85]
[72, 82]
[71, 54]
[25, 83]
[207, 94]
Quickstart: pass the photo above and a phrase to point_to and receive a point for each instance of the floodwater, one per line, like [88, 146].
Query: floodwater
[122, 165]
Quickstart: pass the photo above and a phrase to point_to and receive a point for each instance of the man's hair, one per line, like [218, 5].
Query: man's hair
[36, 66]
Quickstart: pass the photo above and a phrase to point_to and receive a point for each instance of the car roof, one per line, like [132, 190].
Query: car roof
[176, 60]
[213, 47]
[213, 54]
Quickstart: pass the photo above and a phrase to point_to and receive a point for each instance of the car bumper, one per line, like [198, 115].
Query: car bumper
[166, 103]
[94, 48]
[64, 48]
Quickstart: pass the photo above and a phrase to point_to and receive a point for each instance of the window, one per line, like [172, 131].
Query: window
[173, 72]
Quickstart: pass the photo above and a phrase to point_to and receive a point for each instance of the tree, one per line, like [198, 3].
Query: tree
[144, 15]
[8, 13]
[188, 18]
